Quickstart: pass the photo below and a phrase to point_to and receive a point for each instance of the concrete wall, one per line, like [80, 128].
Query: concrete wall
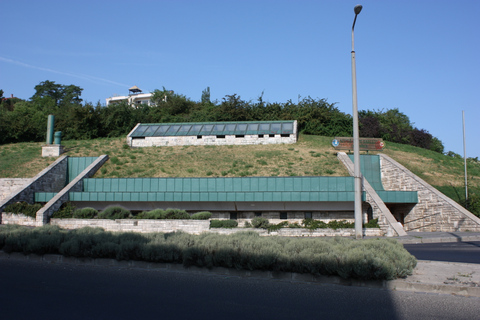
[62, 196]
[51, 179]
[9, 185]
[434, 211]
[210, 140]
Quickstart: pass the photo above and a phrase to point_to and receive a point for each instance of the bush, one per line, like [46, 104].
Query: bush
[278, 226]
[379, 259]
[312, 224]
[152, 214]
[260, 222]
[66, 211]
[85, 213]
[372, 224]
[176, 214]
[113, 213]
[204, 215]
[27, 209]
[223, 223]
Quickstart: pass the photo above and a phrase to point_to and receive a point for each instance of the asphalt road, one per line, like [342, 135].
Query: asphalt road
[39, 290]
[467, 252]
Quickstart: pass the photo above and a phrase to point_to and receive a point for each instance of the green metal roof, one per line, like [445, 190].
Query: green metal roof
[245, 184]
[212, 128]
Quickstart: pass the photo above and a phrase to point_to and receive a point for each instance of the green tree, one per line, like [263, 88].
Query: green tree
[61, 94]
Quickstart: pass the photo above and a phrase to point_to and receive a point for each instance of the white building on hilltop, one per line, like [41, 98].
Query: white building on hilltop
[135, 97]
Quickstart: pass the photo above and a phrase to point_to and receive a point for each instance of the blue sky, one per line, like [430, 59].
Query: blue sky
[420, 56]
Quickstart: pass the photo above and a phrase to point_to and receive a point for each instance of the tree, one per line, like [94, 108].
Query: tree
[61, 94]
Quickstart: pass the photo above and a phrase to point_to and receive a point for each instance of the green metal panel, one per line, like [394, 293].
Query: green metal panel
[280, 184]
[267, 196]
[75, 166]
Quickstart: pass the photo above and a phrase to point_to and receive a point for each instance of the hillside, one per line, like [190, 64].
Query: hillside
[311, 156]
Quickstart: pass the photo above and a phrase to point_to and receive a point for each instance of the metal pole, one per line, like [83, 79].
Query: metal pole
[356, 141]
[465, 160]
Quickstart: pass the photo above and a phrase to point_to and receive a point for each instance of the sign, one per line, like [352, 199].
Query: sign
[366, 144]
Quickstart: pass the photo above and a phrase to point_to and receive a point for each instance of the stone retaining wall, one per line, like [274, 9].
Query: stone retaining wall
[51, 179]
[135, 225]
[9, 185]
[188, 226]
[434, 211]
[20, 219]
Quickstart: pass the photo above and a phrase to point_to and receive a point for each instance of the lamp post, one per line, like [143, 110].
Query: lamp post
[356, 142]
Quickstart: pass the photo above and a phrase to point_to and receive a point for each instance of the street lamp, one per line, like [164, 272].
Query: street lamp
[356, 142]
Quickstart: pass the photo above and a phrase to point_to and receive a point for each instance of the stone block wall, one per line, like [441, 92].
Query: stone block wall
[19, 219]
[134, 225]
[51, 179]
[197, 227]
[9, 185]
[434, 211]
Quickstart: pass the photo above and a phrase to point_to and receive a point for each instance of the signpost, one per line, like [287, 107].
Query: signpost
[366, 144]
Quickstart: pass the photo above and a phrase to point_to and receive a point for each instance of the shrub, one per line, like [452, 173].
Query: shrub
[278, 226]
[260, 222]
[312, 224]
[66, 211]
[115, 212]
[334, 224]
[85, 213]
[176, 214]
[152, 214]
[372, 224]
[204, 215]
[380, 259]
[27, 209]
[223, 223]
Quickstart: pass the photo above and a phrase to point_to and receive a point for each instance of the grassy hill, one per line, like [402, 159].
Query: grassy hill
[310, 156]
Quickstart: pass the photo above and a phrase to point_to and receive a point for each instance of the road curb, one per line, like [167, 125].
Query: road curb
[397, 285]
[419, 240]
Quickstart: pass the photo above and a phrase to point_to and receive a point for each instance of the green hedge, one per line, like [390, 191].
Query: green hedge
[223, 223]
[29, 210]
[348, 258]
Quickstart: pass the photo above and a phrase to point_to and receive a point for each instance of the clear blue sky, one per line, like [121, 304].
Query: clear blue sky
[420, 56]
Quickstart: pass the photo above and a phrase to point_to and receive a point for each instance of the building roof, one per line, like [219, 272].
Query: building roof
[212, 128]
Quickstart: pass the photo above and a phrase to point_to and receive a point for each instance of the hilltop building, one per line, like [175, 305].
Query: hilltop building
[135, 97]
[213, 133]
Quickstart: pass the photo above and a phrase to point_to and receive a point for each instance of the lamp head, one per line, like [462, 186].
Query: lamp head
[357, 9]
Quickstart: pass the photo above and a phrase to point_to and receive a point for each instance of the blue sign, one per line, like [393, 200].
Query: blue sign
[335, 143]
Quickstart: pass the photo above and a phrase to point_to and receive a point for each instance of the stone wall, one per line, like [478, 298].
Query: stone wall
[9, 185]
[62, 196]
[19, 219]
[197, 227]
[135, 225]
[211, 140]
[387, 222]
[51, 179]
[434, 211]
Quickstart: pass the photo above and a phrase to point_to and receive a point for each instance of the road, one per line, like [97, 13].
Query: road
[467, 252]
[41, 290]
